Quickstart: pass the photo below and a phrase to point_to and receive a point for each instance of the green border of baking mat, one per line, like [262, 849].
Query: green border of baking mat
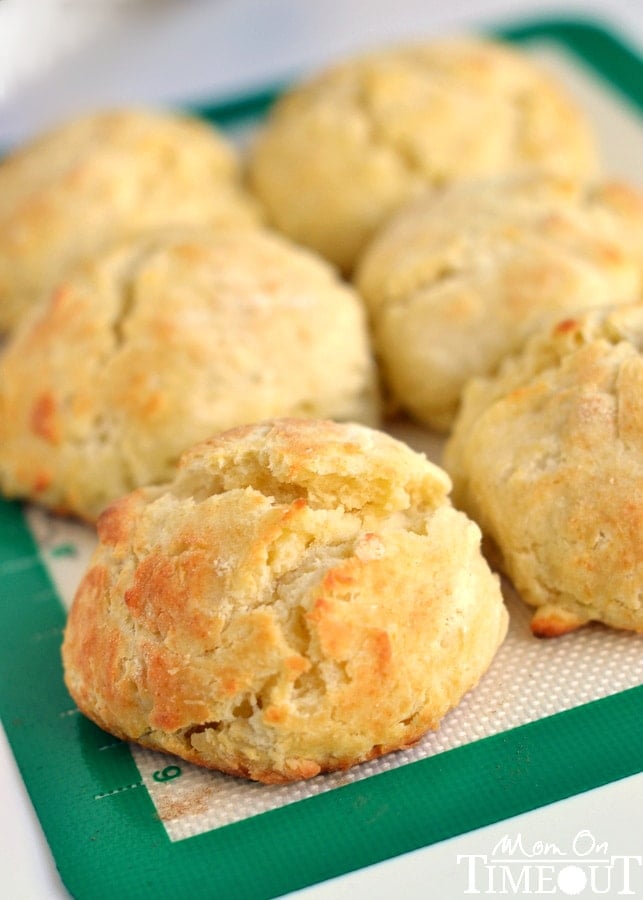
[100, 822]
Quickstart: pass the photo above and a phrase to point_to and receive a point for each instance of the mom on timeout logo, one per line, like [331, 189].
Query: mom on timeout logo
[585, 868]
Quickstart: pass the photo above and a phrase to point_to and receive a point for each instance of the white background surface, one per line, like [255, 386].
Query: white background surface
[57, 58]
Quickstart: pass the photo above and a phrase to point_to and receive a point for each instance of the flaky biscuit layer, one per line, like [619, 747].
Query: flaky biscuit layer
[101, 178]
[301, 597]
[343, 151]
[460, 278]
[548, 458]
[160, 343]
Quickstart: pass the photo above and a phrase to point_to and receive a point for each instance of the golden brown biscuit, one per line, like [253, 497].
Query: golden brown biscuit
[457, 280]
[342, 152]
[548, 458]
[162, 342]
[101, 178]
[300, 598]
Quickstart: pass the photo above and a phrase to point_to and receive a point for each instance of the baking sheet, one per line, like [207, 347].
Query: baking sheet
[128, 820]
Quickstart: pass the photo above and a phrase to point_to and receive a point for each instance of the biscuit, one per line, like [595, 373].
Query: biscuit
[458, 279]
[101, 178]
[163, 341]
[300, 598]
[547, 457]
[342, 152]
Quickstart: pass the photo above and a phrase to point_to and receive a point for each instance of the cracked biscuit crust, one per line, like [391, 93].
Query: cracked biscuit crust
[161, 343]
[458, 279]
[302, 597]
[340, 153]
[101, 178]
[548, 458]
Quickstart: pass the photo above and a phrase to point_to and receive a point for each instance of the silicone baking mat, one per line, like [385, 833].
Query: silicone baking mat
[549, 720]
